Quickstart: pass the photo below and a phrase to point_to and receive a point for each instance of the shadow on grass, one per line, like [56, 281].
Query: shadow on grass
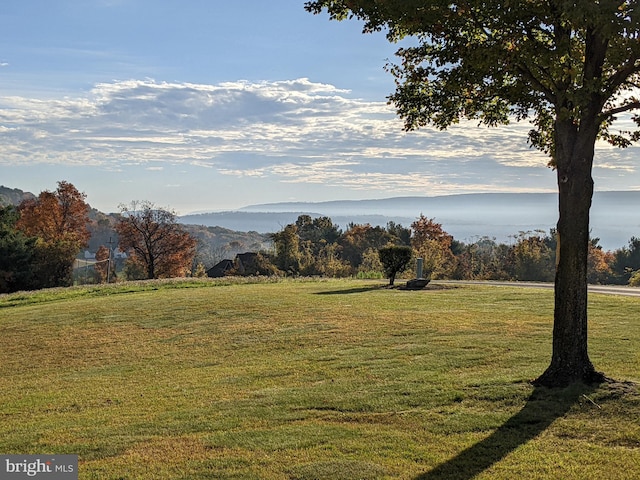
[542, 408]
[398, 286]
[348, 291]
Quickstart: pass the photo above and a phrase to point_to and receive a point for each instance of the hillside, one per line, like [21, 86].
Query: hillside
[215, 242]
[13, 196]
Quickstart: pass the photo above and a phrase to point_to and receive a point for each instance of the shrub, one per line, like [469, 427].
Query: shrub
[395, 259]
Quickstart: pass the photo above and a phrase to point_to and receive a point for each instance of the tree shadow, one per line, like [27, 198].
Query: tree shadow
[348, 291]
[385, 286]
[543, 407]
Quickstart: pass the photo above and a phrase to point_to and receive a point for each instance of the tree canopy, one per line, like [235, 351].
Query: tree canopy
[56, 216]
[157, 241]
[395, 259]
[58, 221]
[498, 60]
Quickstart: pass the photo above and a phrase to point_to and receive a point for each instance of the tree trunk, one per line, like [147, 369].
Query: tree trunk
[570, 361]
[151, 270]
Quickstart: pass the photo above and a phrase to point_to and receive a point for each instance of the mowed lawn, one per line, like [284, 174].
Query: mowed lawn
[314, 380]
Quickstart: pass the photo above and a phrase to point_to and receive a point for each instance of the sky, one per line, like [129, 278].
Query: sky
[212, 105]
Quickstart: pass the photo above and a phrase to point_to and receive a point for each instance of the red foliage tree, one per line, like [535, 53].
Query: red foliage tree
[156, 240]
[59, 221]
[53, 216]
[103, 264]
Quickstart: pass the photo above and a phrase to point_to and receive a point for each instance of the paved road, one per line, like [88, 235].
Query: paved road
[605, 289]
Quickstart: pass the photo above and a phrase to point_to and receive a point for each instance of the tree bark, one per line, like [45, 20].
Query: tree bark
[570, 360]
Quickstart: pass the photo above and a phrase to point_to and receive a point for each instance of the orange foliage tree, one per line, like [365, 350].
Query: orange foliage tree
[599, 263]
[59, 222]
[156, 240]
[359, 238]
[103, 265]
[433, 244]
[52, 216]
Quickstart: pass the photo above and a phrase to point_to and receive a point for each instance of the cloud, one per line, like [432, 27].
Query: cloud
[294, 131]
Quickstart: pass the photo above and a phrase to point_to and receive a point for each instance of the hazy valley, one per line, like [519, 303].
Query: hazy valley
[615, 216]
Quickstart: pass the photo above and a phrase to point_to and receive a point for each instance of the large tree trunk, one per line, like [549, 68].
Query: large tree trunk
[570, 361]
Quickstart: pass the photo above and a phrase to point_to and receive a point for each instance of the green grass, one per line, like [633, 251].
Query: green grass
[313, 380]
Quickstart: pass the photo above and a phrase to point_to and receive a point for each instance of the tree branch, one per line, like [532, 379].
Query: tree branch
[526, 72]
[621, 109]
[622, 76]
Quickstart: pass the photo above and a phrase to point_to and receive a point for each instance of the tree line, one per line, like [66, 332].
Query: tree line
[316, 246]
[40, 240]
[42, 237]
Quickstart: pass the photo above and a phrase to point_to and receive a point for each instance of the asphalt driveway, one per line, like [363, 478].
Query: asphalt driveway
[605, 289]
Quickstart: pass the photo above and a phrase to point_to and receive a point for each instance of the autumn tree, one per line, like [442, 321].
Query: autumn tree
[59, 221]
[328, 262]
[433, 245]
[53, 216]
[157, 241]
[485, 259]
[134, 268]
[358, 239]
[103, 264]
[572, 68]
[371, 266]
[599, 264]
[532, 257]
[287, 245]
[318, 253]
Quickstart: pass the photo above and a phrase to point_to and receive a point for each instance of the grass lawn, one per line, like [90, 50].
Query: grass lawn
[313, 380]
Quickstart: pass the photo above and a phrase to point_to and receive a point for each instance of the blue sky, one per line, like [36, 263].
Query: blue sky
[207, 105]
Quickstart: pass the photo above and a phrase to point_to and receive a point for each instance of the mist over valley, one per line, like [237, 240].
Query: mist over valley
[615, 216]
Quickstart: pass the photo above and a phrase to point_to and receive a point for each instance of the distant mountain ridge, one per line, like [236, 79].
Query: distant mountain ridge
[395, 204]
[13, 196]
[615, 216]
